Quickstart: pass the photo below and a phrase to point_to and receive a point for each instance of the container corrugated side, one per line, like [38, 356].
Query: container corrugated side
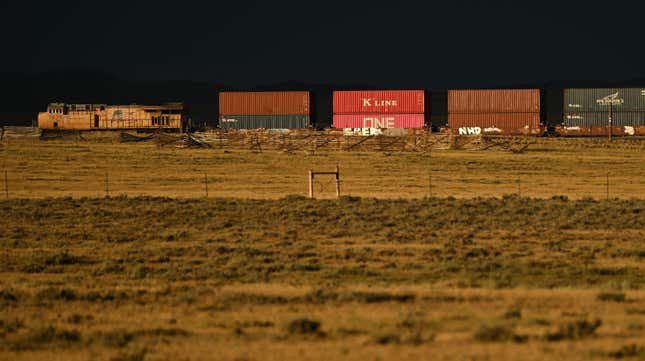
[379, 101]
[622, 118]
[378, 121]
[501, 123]
[592, 99]
[264, 103]
[285, 121]
[494, 101]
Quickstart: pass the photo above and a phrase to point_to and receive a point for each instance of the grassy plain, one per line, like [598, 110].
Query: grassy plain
[292, 279]
[264, 275]
[573, 167]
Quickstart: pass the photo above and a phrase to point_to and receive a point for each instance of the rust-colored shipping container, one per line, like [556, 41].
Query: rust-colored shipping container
[264, 103]
[379, 101]
[381, 121]
[495, 123]
[494, 101]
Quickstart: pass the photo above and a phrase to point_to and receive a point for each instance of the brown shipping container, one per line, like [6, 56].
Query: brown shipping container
[495, 123]
[264, 103]
[494, 101]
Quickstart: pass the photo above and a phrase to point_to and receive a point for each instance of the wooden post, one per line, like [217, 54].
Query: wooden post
[107, 186]
[337, 181]
[6, 184]
[206, 184]
[311, 183]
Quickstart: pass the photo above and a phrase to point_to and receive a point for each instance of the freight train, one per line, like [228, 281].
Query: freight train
[585, 112]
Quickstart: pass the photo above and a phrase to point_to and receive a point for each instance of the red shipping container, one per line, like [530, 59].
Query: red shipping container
[264, 103]
[379, 101]
[378, 121]
[503, 123]
[494, 101]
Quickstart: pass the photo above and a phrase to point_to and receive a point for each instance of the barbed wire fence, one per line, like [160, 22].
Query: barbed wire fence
[601, 186]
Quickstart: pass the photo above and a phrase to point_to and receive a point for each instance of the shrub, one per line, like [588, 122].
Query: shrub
[611, 296]
[303, 326]
[55, 294]
[387, 338]
[628, 351]
[497, 333]
[574, 330]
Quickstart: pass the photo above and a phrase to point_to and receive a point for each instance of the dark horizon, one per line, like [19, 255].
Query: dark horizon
[76, 51]
[401, 44]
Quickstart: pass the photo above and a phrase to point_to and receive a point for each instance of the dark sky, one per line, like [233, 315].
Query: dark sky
[394, 43]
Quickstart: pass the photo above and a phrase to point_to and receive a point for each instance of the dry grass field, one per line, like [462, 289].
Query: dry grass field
[576, 168]
[258, 272]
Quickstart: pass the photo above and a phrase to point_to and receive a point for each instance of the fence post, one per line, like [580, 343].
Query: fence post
[206, 184]
[311, 183]
[107, 185]
[337, 181]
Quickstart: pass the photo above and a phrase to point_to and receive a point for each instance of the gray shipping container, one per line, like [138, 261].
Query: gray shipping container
[589, 100]
[591, 119]
[263, 121]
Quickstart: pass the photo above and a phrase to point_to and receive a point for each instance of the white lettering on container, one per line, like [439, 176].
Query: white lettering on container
[470, 131]
[376, 122]
[371, 102]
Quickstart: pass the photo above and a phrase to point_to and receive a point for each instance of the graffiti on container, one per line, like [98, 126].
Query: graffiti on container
[371, 102]
[365, 132]
[575, 117]
[575, 129]
[228, 120]
[629, 130]
[470, 131]
[378, 122]
[492, 130]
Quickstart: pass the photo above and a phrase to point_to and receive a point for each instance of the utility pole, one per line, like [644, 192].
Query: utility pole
[610, 100]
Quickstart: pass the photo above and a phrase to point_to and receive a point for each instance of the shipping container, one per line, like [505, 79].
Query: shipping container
[264, 103]
[599, 99]
[379, 102]
[587, 119]
[494, 101]
[495, 123]
[383, 121]
[285, 121]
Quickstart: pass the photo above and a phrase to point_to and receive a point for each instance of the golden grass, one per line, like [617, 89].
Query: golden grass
[553, 167]
[186, 278]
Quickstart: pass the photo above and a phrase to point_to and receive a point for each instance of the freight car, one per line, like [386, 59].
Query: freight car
[379, 109]
[496, 111]
[264, 110]
[166, 117]
[603, 112]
